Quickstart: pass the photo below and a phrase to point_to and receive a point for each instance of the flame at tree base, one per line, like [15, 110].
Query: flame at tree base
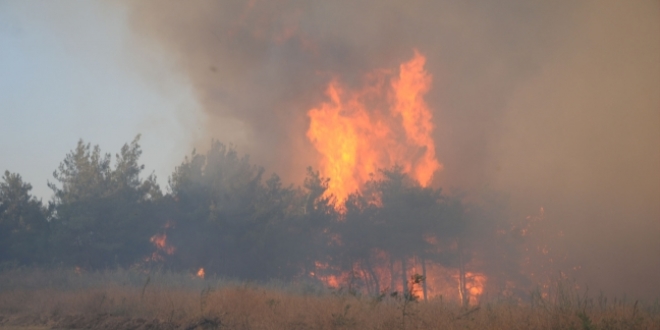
[387, 278]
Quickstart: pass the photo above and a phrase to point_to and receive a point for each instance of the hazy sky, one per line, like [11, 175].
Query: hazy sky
[72, 70]
[555, 103]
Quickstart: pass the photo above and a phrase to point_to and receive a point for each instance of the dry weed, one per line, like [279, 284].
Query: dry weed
[121, 299]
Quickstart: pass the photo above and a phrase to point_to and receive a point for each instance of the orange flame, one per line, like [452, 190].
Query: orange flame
[410, 88]
[160, 241]
[383, 276]
[330, 280]
[201, 273]
[379, 126]
[475, 283]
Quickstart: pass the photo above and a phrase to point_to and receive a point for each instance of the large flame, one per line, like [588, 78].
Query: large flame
[385, 123]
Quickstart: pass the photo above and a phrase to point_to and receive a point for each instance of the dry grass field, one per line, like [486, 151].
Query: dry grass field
[131, 299]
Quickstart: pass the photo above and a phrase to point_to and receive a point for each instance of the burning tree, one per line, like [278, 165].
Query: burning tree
[391, 223]
[393, 229]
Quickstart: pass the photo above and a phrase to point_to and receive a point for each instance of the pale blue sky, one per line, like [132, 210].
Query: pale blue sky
[71, 70]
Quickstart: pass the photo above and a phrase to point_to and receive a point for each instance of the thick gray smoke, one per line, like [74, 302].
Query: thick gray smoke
[556, 103]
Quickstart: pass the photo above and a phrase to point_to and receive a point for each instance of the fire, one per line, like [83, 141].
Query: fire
[410, 88]
[330, 280]
[161, 244]
[160, 241]
[384, 275]
[201, 273]
[474, 285]
[385, 123]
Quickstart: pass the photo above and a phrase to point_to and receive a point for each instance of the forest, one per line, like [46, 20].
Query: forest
[222, 215]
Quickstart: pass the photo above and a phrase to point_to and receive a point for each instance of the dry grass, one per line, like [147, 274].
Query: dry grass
[120, 299]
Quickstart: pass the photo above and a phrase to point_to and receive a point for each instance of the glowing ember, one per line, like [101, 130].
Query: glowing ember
[201, 273]
[382, 125]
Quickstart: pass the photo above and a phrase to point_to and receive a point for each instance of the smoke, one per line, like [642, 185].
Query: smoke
[555, 103]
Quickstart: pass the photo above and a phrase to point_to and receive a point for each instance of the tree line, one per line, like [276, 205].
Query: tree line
[222, 213]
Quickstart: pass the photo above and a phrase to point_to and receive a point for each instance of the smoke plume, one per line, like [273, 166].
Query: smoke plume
[555, 103]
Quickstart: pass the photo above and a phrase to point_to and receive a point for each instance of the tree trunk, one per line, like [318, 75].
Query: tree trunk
[462, 290]
[404, 280]
[424, 282]
[373, 276]
[392, 280]
[368, 281]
